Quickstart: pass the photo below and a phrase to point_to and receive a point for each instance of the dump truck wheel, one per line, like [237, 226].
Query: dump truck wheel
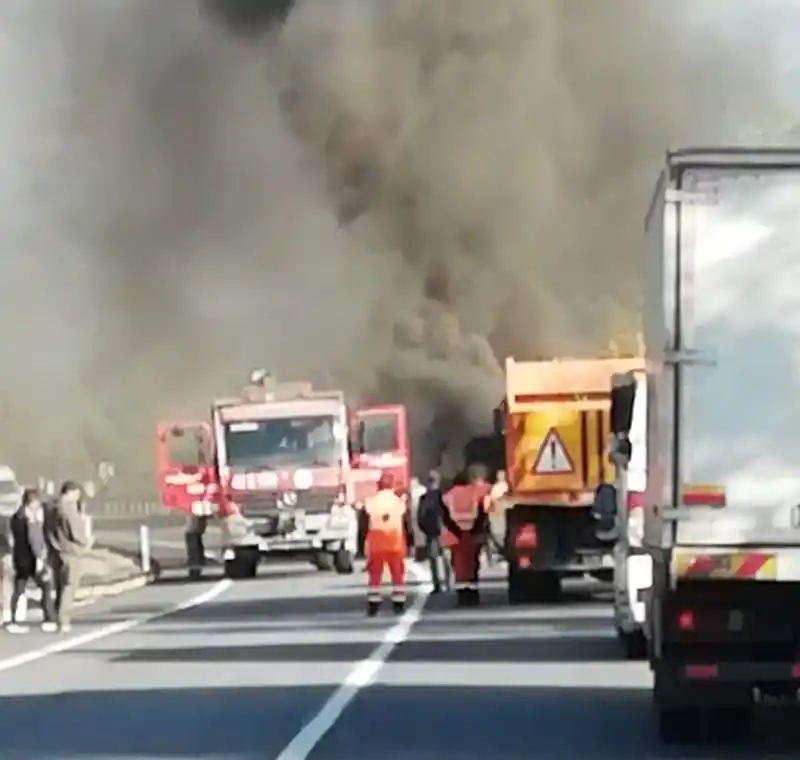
[533, 587]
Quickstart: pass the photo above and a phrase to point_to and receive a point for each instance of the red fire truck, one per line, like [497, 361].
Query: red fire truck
[281, 466]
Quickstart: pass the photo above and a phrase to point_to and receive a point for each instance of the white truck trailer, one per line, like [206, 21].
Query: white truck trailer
[722, 500]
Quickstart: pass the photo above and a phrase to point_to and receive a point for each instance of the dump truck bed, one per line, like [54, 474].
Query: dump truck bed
[557, 428]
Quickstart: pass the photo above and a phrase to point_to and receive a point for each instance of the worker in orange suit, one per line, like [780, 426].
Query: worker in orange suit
[464, 517]
[386, 545]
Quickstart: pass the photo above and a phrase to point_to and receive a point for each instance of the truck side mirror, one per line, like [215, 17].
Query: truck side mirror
[623, 394]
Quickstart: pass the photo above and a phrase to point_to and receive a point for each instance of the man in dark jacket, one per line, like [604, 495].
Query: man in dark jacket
[29, 559]
[429, 519]
[67, 541]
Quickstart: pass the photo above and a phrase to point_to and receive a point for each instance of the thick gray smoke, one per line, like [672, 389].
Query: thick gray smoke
[386, 194]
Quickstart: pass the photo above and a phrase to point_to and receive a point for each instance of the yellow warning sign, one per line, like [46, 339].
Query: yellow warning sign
[553, 458]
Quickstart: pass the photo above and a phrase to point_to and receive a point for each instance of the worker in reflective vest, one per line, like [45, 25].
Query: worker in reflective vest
[464, 517]
[386, 545]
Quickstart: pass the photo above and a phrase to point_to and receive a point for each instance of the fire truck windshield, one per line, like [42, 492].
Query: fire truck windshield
[283, 442]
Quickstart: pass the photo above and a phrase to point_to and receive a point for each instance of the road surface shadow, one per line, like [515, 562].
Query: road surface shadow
[497, 650]
[473, 722]
[468, 722]
[174, 723]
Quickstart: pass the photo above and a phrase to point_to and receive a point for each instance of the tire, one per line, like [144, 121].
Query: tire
[634, 645]
[324, 561]
[343, 562]
[678, 725]
[243, 565]
[533, 587]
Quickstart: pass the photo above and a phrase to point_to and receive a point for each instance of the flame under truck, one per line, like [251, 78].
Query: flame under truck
[720, 523]
[282, 466]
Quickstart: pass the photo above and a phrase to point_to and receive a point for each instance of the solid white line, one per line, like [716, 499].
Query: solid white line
[361, 676]
[113, 628]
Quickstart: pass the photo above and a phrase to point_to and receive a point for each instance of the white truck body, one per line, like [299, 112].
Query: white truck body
[723, 340]
[722, 507]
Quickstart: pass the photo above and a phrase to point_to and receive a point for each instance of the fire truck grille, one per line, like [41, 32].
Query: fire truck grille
[270, 505]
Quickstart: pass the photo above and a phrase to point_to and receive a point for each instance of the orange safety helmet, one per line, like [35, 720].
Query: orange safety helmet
[387, 481]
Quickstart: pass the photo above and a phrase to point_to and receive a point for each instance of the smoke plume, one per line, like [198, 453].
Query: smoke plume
[389, 195]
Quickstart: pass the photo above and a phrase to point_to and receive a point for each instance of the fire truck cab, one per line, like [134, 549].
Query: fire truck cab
[281, 466]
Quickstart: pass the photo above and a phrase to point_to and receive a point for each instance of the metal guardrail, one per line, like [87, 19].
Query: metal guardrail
[125, 508]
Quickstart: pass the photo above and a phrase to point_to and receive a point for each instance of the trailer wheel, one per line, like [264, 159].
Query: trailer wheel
[729, 725]
[678, 725]
[533, 586]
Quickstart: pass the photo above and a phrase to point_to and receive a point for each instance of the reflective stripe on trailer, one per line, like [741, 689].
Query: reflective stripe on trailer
[728, 565]
[761, 563]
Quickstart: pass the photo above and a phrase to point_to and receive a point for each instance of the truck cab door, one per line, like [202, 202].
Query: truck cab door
[184, 464]
[380, 443]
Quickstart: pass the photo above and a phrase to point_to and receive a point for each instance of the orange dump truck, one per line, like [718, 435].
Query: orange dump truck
[555, 425]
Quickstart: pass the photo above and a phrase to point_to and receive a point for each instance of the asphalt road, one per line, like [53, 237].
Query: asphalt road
[287, 667]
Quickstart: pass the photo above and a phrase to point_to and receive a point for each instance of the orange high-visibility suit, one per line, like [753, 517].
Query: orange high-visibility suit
[386, 545]
[464, 519]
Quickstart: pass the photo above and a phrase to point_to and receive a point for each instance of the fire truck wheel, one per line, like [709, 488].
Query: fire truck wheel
[243, 565]
[323, 561]
[343, 562]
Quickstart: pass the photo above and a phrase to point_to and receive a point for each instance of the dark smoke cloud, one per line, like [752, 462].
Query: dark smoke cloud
[388, 194]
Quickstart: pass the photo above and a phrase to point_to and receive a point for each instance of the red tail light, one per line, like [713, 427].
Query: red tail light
[635, 499]
[527, 537]
[701, 671]
[686, 620]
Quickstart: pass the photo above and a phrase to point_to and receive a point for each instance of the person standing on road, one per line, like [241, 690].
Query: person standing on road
[464, 516]
[429, 519]
[29, 559]
[499, 490]
[67, 541]
[386, 544]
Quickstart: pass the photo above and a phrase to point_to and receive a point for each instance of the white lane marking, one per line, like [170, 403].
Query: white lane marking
[113, 628]
[361, 676]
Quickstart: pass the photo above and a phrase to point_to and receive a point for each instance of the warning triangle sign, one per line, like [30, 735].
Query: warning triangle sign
[553, 458]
